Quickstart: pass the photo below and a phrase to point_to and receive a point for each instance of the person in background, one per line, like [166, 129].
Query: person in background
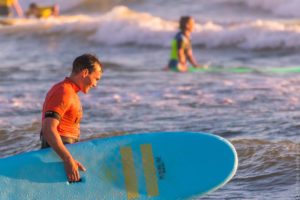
[62, 111]
[6, 5]
[42, 11]
[181, 49]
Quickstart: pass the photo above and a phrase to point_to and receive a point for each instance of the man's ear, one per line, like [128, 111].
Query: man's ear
[84, 72]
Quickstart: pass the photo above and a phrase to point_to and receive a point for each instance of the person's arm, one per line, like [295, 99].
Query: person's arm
[18, 8]
[51, 135]
[55, 10]
[193, 61]
[181, 56]
[191, 58]
[182, 61]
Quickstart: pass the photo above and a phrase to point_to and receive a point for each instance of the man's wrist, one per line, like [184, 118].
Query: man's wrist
[67, 158]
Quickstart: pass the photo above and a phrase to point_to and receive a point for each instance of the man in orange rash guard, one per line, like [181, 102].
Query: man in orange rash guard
[62, 111]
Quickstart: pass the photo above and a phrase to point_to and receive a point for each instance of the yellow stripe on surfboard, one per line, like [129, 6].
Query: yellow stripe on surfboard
[149, 170]
[129, 172]
[130, 175]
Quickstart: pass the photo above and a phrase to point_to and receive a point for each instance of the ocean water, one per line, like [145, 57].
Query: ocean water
[258, 112]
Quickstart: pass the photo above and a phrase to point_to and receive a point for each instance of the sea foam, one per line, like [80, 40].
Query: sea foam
[122, 26]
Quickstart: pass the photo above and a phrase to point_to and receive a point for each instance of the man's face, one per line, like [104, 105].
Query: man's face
[90, 80]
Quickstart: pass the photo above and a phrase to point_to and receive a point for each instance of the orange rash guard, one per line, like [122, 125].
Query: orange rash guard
[62, 102]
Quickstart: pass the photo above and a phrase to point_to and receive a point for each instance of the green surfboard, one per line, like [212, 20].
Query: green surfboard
[243, 69]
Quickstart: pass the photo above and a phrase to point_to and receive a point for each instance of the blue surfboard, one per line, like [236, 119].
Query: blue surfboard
[158, 166]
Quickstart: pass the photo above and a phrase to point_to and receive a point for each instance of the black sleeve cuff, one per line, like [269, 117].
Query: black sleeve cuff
[52, 114]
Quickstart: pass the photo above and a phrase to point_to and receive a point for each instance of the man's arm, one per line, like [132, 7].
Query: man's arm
[51, 135]
[18, 8]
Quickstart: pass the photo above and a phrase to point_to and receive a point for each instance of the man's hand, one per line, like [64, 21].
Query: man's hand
[71, 167]
[54, 140]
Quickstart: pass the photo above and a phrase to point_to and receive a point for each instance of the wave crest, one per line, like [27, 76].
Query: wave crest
[122, 26]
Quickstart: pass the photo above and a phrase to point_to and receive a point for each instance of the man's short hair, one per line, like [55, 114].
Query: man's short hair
[85, 61]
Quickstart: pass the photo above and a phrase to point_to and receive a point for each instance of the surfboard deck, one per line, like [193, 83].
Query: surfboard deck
[243, 69]
[158, 166]
[12, 21]
[43, 21]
